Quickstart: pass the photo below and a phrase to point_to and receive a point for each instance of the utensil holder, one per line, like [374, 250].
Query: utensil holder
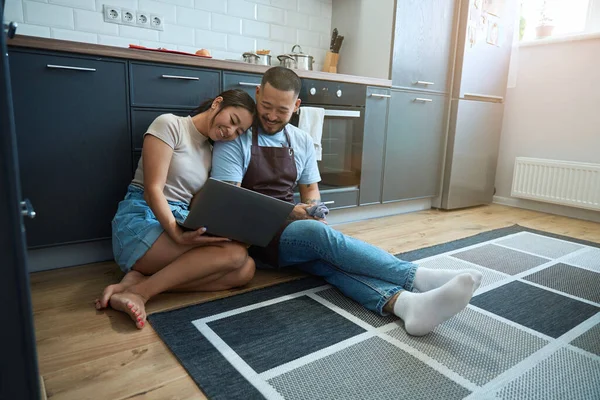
[331, 61]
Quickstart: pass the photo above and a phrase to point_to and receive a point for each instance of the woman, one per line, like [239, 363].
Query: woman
[148, 244]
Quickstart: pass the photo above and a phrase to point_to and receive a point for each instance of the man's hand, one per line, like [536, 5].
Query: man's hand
[299, 212]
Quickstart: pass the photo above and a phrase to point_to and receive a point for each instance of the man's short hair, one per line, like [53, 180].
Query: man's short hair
[282, 78]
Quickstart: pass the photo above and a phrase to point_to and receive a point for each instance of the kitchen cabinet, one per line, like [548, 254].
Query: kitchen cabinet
[73, 142]
[422, 43]
[414, 145]
[172, 87]
[376, 115]
[245, 82]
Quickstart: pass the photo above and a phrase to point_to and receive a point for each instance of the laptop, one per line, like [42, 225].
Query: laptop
[236, 213]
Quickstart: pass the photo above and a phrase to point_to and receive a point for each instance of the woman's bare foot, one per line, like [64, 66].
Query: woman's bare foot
[130, 279]
[132, 304]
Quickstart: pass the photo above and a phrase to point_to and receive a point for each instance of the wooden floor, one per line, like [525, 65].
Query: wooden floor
[85, 354]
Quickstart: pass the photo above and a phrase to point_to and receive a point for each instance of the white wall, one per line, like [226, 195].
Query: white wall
[367, 27]
[554, 110]
[226, 27]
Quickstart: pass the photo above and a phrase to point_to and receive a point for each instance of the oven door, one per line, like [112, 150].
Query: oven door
[341, 158]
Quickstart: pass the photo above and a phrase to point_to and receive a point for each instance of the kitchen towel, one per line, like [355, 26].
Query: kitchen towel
[311, 121]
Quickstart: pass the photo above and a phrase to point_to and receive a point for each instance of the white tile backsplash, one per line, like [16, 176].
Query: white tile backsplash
[138, 33]
[168, 11]
[90, 21]
[226, 27]
[116, 41]
[241, 8]
[33, 30]
[255, 29]
[211, 40]
[48, 14]
[13, 11]
[296, 20]
[193, 18]
[218, 6]
[240, 44]
[67, 34]
[309, 38]
[82, 4]
[270, 14]
[283, 33]
[177, 34]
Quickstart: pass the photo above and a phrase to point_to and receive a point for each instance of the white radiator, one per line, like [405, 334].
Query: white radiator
[561, 182]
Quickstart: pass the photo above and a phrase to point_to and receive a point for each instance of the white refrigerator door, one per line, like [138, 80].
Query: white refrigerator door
[484, 48]
[474, 139]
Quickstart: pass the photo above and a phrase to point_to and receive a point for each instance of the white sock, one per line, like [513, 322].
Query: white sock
[422, 312]
[429, 279]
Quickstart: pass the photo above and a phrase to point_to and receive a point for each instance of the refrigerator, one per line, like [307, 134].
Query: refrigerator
[480, 74]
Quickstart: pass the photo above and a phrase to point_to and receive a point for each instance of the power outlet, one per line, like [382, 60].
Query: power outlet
[128, 17]
[141, 19]
[156, 22]
[112, 14]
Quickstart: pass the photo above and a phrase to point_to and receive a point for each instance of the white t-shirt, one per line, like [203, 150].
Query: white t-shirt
[192, 157]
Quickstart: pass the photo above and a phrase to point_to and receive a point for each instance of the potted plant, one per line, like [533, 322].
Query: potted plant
[545, 27]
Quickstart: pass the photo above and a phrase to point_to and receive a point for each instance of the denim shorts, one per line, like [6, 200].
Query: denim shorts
[135, 227]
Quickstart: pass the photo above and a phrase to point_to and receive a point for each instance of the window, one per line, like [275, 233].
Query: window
[549, 18]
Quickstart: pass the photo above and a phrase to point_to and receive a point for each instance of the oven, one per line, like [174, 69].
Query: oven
[342, 138]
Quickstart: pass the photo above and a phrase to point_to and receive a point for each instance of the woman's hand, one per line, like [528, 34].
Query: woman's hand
[194, 237]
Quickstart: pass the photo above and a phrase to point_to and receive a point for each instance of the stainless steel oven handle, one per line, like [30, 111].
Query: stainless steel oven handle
[342, 113]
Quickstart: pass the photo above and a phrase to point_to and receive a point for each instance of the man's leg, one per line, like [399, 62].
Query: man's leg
[351, 266]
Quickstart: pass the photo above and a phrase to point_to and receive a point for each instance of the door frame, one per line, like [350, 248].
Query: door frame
[19, 378]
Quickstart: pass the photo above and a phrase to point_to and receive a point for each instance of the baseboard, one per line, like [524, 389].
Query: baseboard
[555, 209]
[69, 255]
[362, 213]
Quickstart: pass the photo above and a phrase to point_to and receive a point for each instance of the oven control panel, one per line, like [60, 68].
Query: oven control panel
[332, 93]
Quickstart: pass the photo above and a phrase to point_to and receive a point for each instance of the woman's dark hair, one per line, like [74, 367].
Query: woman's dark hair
[231, 98]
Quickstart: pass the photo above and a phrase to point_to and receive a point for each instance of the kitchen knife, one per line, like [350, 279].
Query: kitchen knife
[333, 37]
[338, 44]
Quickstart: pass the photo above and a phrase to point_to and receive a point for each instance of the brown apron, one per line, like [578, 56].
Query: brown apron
[272, 172]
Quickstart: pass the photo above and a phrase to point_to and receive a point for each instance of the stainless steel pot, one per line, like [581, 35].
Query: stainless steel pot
[297, 60]
[253, 58]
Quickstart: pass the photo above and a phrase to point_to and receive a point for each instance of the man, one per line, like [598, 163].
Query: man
[272, 158]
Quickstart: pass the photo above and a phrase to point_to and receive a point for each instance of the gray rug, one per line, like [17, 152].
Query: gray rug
[532, 331]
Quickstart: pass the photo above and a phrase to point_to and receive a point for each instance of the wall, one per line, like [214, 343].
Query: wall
[227, 28]
[554, 110]
[367, 26]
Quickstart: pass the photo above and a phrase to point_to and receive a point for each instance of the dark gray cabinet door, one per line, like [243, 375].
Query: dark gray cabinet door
[73, 143]
[422, 43]
[414, 145]
[245, 82]
[376, 114]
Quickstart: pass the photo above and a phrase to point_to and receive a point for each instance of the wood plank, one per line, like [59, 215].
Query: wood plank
[170, 58]
[180, 389]
[136, 370]
[78, 346]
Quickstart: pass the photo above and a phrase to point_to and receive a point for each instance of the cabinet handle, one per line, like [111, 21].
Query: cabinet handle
[328, 202]
[422, 100]
[485, 97]
[381, 96]
[249, 84]
[424, 83]
[187, 78]
[71, 68]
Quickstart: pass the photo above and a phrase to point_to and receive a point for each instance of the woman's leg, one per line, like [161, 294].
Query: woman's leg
[181, 268]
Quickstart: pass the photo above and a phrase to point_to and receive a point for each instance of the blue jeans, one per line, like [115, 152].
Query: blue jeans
[363, 272]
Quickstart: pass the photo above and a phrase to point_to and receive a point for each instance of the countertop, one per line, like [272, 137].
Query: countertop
[178, 59]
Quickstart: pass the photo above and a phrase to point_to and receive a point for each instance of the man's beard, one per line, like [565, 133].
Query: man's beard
[277, 127]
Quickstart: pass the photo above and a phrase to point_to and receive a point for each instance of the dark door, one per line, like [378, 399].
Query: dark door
[18, 365]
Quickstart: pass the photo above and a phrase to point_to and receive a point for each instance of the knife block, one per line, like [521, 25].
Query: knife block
[331, 61]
